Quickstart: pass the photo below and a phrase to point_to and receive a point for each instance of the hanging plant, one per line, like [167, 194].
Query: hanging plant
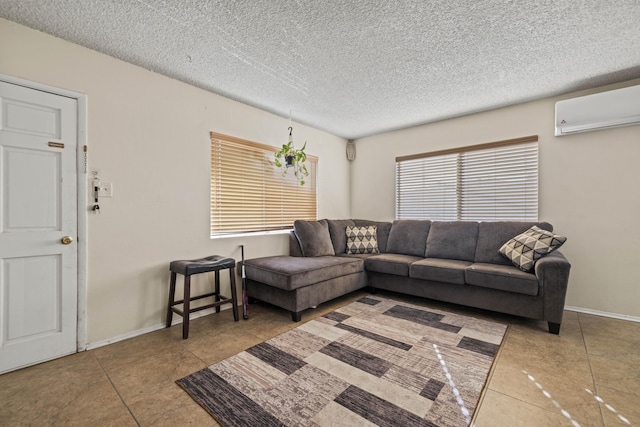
[288, 158]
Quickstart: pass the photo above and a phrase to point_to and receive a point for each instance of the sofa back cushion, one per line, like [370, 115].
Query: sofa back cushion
[314, 237]
[493, 234]
[337, 231]
[452, 240]
[408, 237]
[382, 231]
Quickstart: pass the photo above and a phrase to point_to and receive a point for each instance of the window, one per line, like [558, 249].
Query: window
[249, 194]
[495, 181]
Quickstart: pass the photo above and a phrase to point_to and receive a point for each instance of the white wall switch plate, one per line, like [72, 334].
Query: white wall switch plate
[105, 189]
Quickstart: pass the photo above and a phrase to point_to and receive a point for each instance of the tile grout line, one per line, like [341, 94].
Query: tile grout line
[492, 370]
[586, 351]
[117, 391]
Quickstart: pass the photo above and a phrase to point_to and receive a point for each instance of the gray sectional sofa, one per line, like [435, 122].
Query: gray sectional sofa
[456, 262]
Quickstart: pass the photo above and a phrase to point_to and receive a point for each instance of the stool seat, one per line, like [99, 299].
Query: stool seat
[187, 268]
[202, 265]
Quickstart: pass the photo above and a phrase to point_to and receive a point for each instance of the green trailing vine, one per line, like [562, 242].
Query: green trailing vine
[290, 158]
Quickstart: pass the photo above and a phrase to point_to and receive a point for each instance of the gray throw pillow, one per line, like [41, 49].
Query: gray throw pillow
[314, 238]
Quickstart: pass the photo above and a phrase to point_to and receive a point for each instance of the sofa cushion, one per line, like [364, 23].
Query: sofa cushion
[337, 229]
[501, 277]
[526, 248]
[439, 270]
[382, 231]
[361, 240]
[288, 273]
[452, 240]
[314, 238]
[408, 237]
[396, 264]
[493, 234]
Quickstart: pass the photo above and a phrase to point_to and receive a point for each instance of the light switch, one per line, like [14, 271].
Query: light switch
[105, 189]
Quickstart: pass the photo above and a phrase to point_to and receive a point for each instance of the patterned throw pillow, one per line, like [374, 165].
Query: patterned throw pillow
[525, 249]
[362, 240]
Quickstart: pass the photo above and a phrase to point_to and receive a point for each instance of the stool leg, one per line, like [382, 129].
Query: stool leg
[172, 290]
[186, 307]
[217, 289]
[234, 297]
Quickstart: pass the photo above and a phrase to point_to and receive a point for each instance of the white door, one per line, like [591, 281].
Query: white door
[38, 211]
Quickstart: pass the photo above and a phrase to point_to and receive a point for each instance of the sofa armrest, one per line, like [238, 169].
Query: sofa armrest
[294, 245]
[552, 272]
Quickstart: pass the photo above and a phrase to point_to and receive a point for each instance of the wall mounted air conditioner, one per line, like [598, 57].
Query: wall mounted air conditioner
[620, 107]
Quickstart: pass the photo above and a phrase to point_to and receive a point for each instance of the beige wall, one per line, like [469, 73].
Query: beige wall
[149, 136]
[589, 190]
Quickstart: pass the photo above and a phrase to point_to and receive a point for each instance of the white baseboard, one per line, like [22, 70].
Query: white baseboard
[603, 313]
[132, 334]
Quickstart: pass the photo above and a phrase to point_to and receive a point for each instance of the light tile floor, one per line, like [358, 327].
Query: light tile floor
[589, 375]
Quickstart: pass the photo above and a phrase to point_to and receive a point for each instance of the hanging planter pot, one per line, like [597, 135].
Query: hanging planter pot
[289, 161]
[288, 157]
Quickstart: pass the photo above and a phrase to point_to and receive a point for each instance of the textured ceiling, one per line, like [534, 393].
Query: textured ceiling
[356, 68]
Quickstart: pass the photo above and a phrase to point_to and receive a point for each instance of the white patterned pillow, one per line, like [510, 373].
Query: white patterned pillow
[362, 240]
[525, 249]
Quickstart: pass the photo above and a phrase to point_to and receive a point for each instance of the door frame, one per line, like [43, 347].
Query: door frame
[82, 195]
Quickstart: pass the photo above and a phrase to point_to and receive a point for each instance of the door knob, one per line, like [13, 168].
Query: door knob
[66, 240]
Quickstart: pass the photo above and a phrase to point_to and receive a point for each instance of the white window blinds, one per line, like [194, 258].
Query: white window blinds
[427, 188]
[495, 181]
[249, 194]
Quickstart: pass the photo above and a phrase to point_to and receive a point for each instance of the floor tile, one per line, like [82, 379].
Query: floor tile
[616, 375]
[533, 383]
[165, 367]
[498, 410]
[186, 415]
[618, 408]
[68, 391]
[539, 355]
[213, 348]
[123, 353]
[614, 338]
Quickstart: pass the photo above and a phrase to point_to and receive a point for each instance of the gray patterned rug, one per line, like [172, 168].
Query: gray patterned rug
[372, 362]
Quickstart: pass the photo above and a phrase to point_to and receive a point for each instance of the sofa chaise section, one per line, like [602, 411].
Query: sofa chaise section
[298, 283]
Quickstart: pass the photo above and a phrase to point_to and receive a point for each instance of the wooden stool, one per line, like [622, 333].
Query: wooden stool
[188, 268]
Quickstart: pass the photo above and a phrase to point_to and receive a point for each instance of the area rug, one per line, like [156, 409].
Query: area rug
[373, 362]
